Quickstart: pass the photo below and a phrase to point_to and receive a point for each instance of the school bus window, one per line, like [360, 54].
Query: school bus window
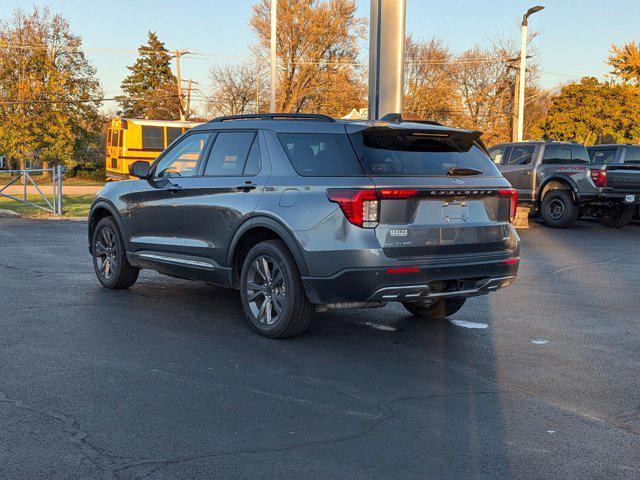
[152, 137]
[114, 139]
[109, 137]
[172, 134]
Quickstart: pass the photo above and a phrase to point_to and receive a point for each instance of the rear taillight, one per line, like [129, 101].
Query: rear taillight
[512, 193]
[397, 193]
[361, 207]
[599, 178]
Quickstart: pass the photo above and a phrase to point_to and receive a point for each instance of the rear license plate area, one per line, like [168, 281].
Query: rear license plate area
[454, 212]
[629, 198]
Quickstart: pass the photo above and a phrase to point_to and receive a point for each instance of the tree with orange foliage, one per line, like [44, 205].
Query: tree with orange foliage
[317, 49]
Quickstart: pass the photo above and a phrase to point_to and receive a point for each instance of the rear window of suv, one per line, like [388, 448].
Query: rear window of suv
[408, 153]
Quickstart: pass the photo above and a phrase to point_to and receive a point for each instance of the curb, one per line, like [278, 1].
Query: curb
[9, 214]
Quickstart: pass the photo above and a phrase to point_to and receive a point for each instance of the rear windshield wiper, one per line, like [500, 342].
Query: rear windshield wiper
[463, 171]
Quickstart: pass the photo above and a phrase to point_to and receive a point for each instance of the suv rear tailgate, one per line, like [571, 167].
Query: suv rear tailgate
[442, 221]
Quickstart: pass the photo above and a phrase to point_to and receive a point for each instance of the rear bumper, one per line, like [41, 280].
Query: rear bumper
[611, 198]
[460, 280]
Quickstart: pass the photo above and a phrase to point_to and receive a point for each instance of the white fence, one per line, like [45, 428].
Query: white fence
[25, 178]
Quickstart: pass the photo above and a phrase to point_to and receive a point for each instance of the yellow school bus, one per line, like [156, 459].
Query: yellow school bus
[131, 139]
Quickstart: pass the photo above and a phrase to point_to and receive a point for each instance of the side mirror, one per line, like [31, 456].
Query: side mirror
[139, 169]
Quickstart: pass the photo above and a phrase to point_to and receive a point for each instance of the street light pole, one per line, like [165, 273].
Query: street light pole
[523, 68]
[274, 14]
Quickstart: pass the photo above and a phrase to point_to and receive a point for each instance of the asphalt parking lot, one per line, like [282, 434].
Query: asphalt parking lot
[166, 381]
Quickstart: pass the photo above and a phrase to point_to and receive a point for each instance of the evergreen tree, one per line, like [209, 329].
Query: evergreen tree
[151, 89]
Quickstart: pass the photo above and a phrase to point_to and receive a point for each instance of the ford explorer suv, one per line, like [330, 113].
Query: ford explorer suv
[305, 213]
[557, 180]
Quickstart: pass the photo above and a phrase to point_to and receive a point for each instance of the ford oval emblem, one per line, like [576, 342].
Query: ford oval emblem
[458, 181]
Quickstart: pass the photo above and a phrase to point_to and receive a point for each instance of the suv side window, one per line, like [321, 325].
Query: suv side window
[602, 156]
[182, 159]
[632, 155]
[320, 154]
[521, 155]
[499, 154]
[231, 151]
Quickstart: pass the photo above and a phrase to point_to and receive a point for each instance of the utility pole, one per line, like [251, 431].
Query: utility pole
[386, 57]
[177, 54]
[274, 58]
[523, 67]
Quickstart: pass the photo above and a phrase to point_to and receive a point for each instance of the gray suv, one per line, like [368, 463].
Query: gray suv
[304, 213]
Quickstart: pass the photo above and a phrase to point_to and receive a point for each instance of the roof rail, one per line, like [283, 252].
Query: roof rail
[397, 118]
[276, 116]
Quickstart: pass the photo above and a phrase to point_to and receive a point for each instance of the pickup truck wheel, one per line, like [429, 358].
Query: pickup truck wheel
[434, 309]
[559, 209]
[271, 291]
[616, 217]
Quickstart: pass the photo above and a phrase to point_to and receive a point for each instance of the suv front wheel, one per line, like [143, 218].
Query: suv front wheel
[271, 291]
[110, 258]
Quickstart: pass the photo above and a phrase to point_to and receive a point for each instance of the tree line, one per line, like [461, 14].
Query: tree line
[50, 97]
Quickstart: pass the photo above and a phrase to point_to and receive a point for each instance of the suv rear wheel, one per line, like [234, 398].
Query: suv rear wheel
[435, 309]
[271, 291]
[558, 209]
[616, 217]
[109, 256]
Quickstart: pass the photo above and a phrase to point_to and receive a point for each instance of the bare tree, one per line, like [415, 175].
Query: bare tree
[235, 89]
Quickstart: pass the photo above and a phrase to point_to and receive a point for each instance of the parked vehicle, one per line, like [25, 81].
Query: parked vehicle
[614, 154]
[607, 154]
[131, 140]
[557, 180]
[305, 212]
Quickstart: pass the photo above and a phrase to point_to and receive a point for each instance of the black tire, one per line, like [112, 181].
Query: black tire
[109, 256]
[436, 310]
[616, 217]
[276, 289]
[558, 209]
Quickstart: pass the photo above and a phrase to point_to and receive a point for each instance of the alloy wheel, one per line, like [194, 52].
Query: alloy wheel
[266, 291]
[106, 252]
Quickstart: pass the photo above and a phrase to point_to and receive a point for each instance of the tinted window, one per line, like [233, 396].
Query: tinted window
[390, 153]
[320, 154]
[152, 137]
[182, 159]
[229, 153]
[632, 155]
[497, 154]
[602, 156]
[253, 164]
[521, 155]
[565, 154]
[172, 134]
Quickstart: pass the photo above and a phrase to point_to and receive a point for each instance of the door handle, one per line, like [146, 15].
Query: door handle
[247, 186]
[526, 173]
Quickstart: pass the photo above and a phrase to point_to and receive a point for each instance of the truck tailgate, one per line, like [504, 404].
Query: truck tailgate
[623, 178]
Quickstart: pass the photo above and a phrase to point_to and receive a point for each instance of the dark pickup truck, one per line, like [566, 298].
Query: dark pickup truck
[558, 180]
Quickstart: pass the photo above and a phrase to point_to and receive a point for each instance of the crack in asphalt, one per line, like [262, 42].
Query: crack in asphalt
[560, 271]
[383, 416]
[114, 466]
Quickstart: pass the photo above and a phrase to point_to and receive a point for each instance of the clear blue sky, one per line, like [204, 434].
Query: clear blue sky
[575, 35]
